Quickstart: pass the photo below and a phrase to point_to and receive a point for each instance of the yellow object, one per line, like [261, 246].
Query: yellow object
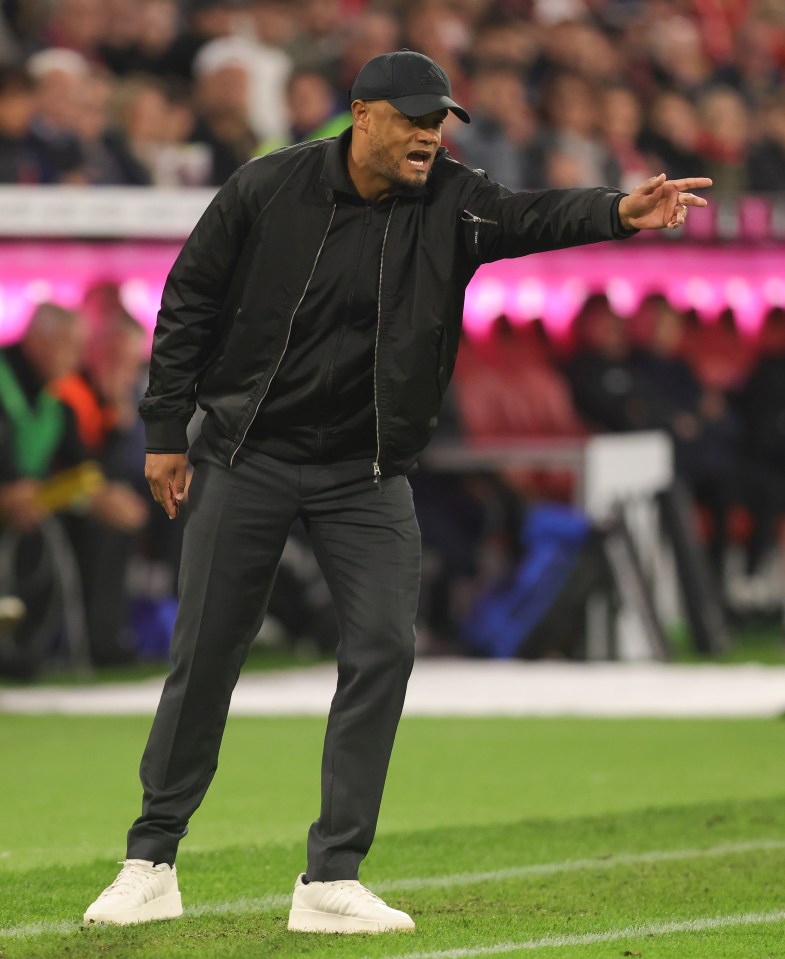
[70, 489]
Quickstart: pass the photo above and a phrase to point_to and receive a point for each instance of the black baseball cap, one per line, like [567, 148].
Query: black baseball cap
[411, 82]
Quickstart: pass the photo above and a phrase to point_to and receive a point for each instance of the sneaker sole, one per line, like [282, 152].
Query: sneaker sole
[307, 920]
[165, 907]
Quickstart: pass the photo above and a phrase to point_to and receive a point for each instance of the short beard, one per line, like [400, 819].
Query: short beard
[384, 164]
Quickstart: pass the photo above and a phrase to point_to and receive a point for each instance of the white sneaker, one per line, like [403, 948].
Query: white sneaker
[342, 906]
[142, 892]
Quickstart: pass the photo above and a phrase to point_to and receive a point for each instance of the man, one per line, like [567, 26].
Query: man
[315, 313]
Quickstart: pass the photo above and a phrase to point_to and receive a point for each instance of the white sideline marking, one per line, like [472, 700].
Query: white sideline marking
[631, 932]
[276, 902]
[448, 687]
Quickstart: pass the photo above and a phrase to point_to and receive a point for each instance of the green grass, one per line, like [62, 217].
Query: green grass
[749, 644]
[465, 796]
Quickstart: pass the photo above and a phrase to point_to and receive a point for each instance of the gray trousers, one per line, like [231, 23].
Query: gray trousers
[367, 543]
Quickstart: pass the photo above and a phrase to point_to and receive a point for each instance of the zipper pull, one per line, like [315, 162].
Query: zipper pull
[377, 476]
[477, 236]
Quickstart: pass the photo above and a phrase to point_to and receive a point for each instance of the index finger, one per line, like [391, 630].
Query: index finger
[692, 183]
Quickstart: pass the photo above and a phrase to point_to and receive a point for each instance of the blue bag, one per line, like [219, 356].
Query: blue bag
[504, 617]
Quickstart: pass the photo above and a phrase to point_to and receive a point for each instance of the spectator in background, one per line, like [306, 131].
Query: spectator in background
[10, 52]
[38, 437]
[677, 52]
[105, 156]
[122, 31]
[703, 428]
[752, 69]
[512, 43]
[247, 82]
[103, 397]
[77, 25]
[273, 23]
[151, 43]
[503, 126]
[223, 72]
[762, 398]
[671, 136]
[621, 118]
[570, 152]
[609, 391]
[725, 139]
[139, 123]
[766, 162]
[20, 160]
[313, 112]
[319, 41]
[706, 434]
[205, 21]
[58, 74]
[576, 46]
[156, 132]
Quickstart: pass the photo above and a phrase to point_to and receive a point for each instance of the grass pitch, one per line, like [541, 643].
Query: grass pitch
[571, 839]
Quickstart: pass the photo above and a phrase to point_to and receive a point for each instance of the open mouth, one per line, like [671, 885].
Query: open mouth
[419, 159]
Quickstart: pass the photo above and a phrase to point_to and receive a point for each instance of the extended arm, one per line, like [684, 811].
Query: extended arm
[532, 221]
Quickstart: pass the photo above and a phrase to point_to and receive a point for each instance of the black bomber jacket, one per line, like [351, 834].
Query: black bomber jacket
[232, 296]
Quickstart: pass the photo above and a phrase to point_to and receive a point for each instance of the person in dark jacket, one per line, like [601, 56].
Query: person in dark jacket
[314, 314]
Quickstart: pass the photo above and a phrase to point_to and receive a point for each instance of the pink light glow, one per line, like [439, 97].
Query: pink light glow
[549, 285]
[31, 272]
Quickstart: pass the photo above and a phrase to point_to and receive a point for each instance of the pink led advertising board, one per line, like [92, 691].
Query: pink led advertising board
[708, 278]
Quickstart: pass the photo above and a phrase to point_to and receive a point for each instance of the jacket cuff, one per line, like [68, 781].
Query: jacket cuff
[619, 233]
[605, 215]
[166, 436]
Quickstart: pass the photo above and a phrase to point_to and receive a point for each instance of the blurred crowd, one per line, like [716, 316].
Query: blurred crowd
[562, 92]
[88, 564]
[719, 395]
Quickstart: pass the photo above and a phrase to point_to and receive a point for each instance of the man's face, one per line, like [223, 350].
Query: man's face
[401, 148]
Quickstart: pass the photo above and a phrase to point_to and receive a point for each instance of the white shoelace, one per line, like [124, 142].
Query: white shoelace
[131, 877]
[362, 891]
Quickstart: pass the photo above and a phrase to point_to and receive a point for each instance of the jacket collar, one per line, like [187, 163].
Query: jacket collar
[335, 172]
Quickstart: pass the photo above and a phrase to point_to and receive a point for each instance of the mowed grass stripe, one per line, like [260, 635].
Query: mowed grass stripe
[707, 924]
[274, 903]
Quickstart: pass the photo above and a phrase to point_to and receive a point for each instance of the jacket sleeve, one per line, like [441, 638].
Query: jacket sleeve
[189, 322]
[502, 224]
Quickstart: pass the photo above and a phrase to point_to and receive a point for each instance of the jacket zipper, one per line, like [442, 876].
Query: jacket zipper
[377, 472]
[288, 336]
[468, 217]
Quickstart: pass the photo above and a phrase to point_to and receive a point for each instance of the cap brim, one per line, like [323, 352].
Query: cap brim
[424, 103]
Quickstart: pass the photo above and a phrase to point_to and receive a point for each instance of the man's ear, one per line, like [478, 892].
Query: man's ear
[361, 115]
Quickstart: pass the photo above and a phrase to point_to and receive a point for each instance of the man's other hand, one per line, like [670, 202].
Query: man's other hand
[118, 506]
[18, 505]
[659, 203]
[166, 473]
